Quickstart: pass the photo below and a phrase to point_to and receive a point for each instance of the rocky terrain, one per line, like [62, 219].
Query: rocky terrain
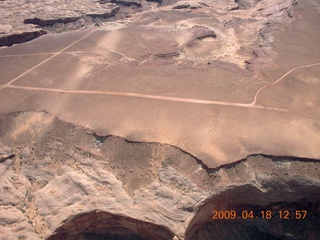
[60, 181]
[146, 119]
[25, 20]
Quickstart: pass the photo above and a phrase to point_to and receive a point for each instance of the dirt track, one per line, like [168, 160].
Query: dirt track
[147, 96]
[161, 81]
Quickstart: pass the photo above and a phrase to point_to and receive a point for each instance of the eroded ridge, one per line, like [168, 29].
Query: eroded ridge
[64, 181]
[258, 185]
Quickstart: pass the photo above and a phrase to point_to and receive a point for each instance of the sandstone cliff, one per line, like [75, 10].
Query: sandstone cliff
[61, 181]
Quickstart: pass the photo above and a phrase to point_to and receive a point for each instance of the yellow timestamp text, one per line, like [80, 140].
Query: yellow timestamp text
[265, 214]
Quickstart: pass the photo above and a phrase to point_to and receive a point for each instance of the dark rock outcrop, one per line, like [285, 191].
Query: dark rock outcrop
[42, 22]
[107, 14]
[127, 3]
[201, 33]
[166, 55]
[9, 40]
[186, 5]
[6, 153]
[50, 22]
[159, 1]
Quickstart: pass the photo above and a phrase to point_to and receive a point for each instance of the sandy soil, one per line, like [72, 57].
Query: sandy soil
[145, 83]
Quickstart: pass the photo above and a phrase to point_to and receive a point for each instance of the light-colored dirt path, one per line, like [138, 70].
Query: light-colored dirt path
[252, 105]
[39, 54]
[154, 97]
[278, 80]
[44, 61]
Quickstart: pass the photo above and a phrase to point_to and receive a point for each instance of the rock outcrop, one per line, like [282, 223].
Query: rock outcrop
[65, 182]
[86, 13]
[127, 3]
[19, 18]
[50, 22]
[16, 38]
[186, 4]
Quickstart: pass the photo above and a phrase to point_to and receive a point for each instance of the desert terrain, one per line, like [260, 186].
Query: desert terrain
[129, 119]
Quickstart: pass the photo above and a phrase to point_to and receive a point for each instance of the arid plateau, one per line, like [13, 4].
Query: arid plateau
[139, 119]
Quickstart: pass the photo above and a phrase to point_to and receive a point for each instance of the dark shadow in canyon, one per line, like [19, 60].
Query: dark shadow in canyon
[96, 225]
[294, 214]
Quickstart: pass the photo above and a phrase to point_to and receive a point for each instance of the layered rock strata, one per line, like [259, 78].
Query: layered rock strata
[60, 181]
[23, 21]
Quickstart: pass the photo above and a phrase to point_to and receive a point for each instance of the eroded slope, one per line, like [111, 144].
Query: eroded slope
[64, 181]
